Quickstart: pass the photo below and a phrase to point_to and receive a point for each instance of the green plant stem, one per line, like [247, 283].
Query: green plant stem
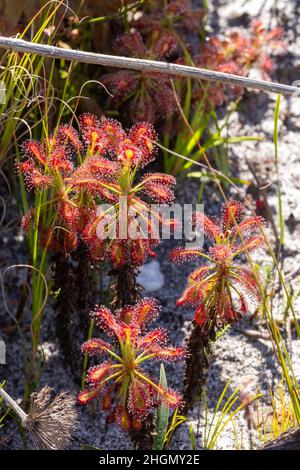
[275, 137]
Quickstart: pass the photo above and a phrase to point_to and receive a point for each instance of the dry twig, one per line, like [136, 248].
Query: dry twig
[54, 52]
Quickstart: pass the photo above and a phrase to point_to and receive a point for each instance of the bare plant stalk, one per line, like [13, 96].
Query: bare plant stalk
[124, 286]
[75, 290]
[63, 283]
[144, 438]
[145, 65]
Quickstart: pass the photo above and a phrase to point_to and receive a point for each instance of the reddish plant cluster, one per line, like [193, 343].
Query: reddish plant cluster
[220, 289]
[173, 18]
[238, 54]
[127, 393]
[109, 158]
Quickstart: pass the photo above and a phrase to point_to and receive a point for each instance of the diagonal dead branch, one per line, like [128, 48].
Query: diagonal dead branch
[54, 52]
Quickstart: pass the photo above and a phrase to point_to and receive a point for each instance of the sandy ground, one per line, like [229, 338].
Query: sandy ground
[245, 362]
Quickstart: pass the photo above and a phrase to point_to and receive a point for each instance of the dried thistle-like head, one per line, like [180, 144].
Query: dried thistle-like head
[127, 392]
[51, 423]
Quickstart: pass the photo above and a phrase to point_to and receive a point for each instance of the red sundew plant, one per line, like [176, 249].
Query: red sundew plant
[80, 171]
[238, 54]
[128, 394]
[174, 17]
[219, 290]
[115, 181]
[144, 89]
[155, 35]
[46, 166]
